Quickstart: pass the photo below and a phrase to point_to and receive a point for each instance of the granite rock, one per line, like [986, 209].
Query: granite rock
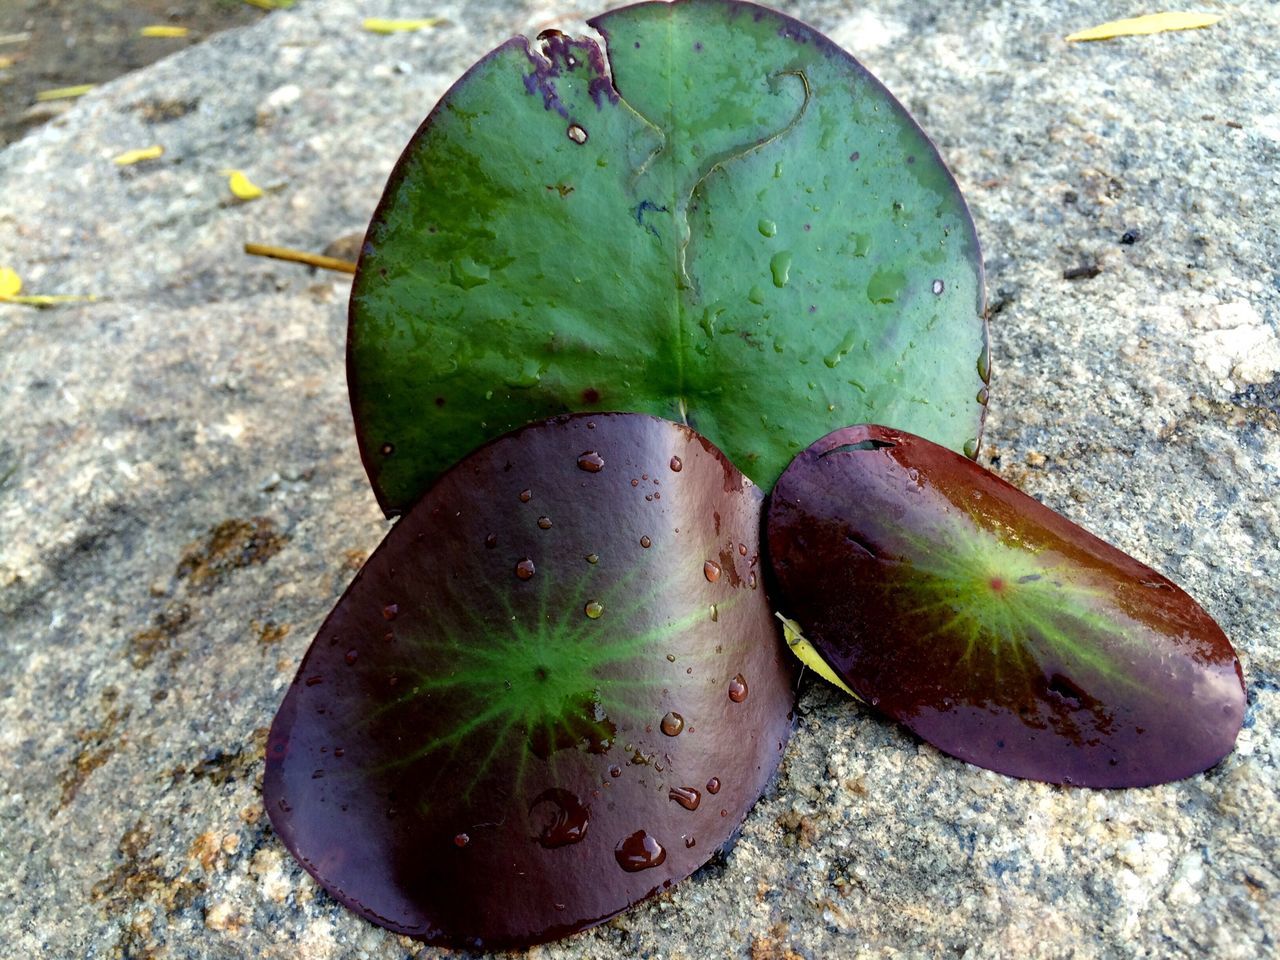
[182, 501]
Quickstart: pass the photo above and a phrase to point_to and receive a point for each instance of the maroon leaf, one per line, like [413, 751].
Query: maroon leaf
[505, 730]
[994, 628]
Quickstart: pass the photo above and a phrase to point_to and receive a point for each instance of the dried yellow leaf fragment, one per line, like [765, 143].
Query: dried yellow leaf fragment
[379, 25]
[10, 283]
[809, 656]
[167, 32]
[241, 187]
[65, 93]
[130, 157]
[1140, 26]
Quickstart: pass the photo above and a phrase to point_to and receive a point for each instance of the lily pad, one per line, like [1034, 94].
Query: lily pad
[994, 628]
[729, 223]
[555, 689]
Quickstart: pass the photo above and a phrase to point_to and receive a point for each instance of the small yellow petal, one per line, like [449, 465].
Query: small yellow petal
[241, 186]
[137, 156]
[10, 283]
[159, 30]
[65, 93]
[6, 63]
[810, 657]
[378, 25]
[1140, 26]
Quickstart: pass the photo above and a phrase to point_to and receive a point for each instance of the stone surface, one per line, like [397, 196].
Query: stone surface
[182, 501]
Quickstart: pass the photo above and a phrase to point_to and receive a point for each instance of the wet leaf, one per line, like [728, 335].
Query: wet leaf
[241, 186]
[130, 157]
[381, 25]
[1151, 23]
[505, 730]
[994, 628]
[731, 223]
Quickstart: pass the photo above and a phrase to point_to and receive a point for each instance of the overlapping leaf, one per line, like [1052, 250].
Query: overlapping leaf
[730, 223]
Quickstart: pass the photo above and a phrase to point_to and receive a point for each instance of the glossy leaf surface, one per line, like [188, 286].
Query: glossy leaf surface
[555, 689]
[730, 223]
[994, 628]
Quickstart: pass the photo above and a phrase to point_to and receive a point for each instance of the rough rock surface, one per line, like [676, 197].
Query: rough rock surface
[182, 501]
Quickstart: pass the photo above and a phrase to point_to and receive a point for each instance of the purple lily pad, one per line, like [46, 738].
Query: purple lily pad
[506, 729]
[994, 628]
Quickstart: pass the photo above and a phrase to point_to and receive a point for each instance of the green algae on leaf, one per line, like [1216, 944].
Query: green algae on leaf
[994, 628]
[728, 223]
[499, 735]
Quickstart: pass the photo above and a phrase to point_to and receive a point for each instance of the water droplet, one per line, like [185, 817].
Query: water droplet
[672, 724]
[715, 614]
[751, 580]
[767, 228]
[461, 840]
[526, 496]
[938, 287]
[317, 775]
[491, 541]
[577, 134]
[971, 448]
[861, 244]
[639, 852]
[615, 771]
[689, 842]
[646, 542]
[594, 609]
[566, 819]
[756, 295]
[742, 549]
[676, 465]
[390, 610]
[738, 689]
[593, 558]
[387, 449]
[524, 569]
[711, 570]
[713, 785]
[983, 396]
[351, 657]
[984, 363]
[314, 681]
[544, 523]
[780, 267]
[671, 658]
[591, 462]
[687, 797]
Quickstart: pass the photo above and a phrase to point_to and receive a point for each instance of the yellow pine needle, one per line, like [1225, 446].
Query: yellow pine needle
[167, 32]
[300, 256]
[241, 187]
[1141, 26]
[130, 157]
[379, 25]
[64, 93]
[11, 286]
[270, 4]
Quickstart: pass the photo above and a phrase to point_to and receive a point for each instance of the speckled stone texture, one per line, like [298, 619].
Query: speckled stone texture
[182, 500]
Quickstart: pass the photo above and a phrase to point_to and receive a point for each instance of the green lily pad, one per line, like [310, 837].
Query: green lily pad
[730, 223]
[555, 689]
[993, 627]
